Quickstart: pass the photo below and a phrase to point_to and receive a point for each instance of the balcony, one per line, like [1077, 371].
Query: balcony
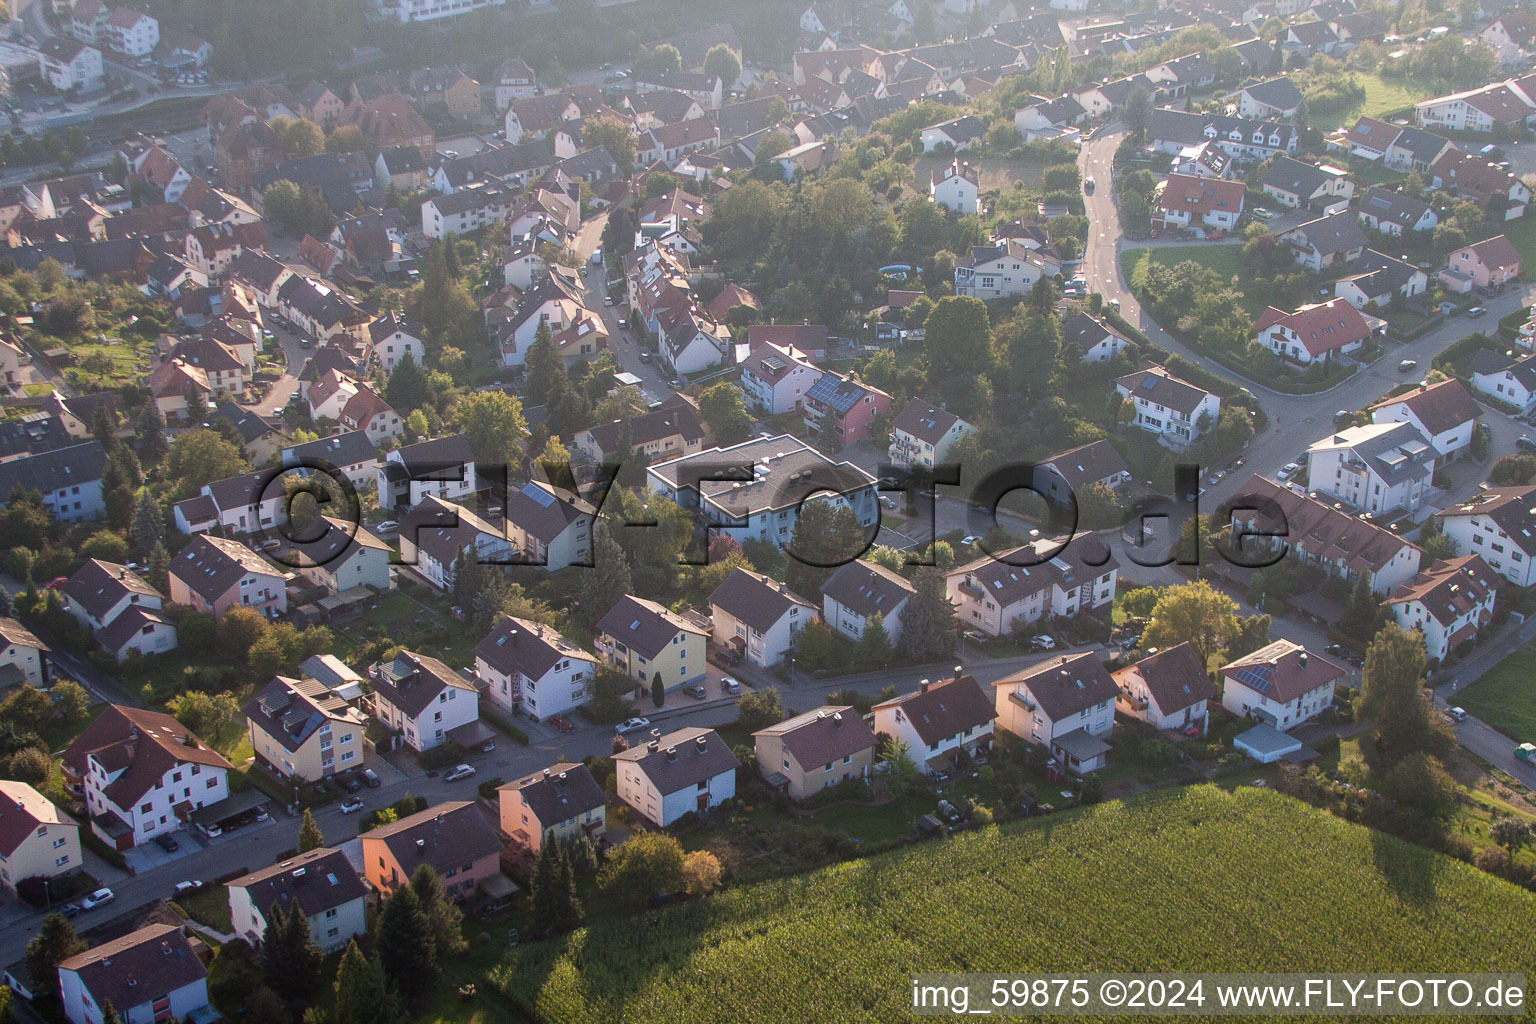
[973, 590]
[1023, 701]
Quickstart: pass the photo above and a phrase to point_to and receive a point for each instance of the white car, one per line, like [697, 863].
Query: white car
[1287, 471]
[188, 886]
[387, 526]
[968, 541]
[462, 771]
[354, 805]
[730, 684]
[1043, 642]
[1456, 714]
[98, 898]
[633, 725]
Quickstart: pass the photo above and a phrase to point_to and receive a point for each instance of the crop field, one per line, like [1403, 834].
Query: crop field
[1193, 879]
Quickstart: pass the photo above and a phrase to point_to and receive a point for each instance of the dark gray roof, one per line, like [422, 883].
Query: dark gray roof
[1175, 126]
[251, 426]
[546, 512]
[1175, 677]
[52, 471]
[1280, 93]
[96, 586]
[412, 681]
[144, 964]
[531, 648]
[1086, 465]
[1295, 177]
[435, 456]
[755, 599]
[1085, 332]
[559, 793]
[1067, 685]
[682, 759]
[1393, 207]
[33, 433]
[129, 624]
[209, 566]
[1335, 233]
[643, 626]
[340, 450]
[945, 709]
[923, 421]
[292, 710]
[827, 733]
[867, 588]
[316, 881]
[446, 835]
[1164, 389]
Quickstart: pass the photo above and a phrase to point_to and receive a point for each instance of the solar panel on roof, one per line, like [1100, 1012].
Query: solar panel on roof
[540, 496]
[1255, 678]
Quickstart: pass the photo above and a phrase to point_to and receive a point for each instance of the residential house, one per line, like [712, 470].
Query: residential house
[922, 434]
[142, 773]
[939, 722]
[549, 526]
[1331, 240]
[466, 210]
[1198, 205]
[1048, 119]
[1377, 468]
[1498, 524]
[1168, 689]
[843, 409]
[1268, 517]
[1002, 592]
[152, 973]
[1511, 37]
[393, 338]
[212, 574]
[68, 65]
[36, 841]
[1318, 333]
[258, 439]
[1393, 213]
[1448, 604]
[1313, 186]
[1309, 37]
[557, 804]
[1489, 264]
[1369, 139]
[404, 167]
[434, 533]
[530, 668]
[1275, 98]
[1004, 268]
[1497, 191]
[1093, 339]
[338, 556]
[1502, 376]
[1060, 479]
[1476, 110]
[319, 104]
[1415, 149]
[88, 21]
[959, 134]
[69, 480]
[687, 771]
[650, 643]
[1382, 279]
[301, 730]
[121, 610]
[775, 381]
[452, 837]
[442, 467]
[514, 80]
[663, 433]
[778, 475]
[350, 455]
[1280, 684]
[448, 90]
[132, 33]
[817, 750]
[248, 503]
[423, 700]
[23, 657]
[757, 617]
[1066, 704]
[321, 883]
[1445, 413]
[1177, 411]
[955, 188]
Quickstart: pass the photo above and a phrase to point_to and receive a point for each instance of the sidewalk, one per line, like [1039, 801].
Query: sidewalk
[1474, 734]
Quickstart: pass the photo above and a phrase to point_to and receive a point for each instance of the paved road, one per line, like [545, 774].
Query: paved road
[1478, 736]
[621, 341]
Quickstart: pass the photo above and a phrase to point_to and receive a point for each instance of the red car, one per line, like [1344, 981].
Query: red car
[57, 582]
[562, 723]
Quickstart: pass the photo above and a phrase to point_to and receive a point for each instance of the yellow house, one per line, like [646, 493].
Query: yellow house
[647, 641]
[35, 839]
[815, 751]
[302, 730]
[559, 802]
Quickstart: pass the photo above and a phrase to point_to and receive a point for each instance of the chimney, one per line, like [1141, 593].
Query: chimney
[653, 745]
[546, 773]
[958, 670]
[671, 754]
[922, 686]
[702, 743]
[1301, 659]
[837, 720]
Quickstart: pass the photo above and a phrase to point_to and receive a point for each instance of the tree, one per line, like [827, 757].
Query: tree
[608, 580]
[31, 765]
[928, 626]
[873, 649]
[722, 63]
[290, 958]
[1196, 612]
[70, 700]
[663, 58]
[407, 388]
[199, 456]
[54, 943]
[647, 865]
[493, 424]
[553, 895]
[825, 537]
[1511, 833]
[1138, 105]
[105, 546]
[310, 836]
[1392, 698]
[1363, 612]
[701, 873]
[658, 691]
[347, 139]
[362, 994]
[443, 915]
[611, 134]
[109, 1013]
[149, 432]
[148, 522]
[901, 770]
[759, 709]
[958, 342]
[724, 411]
[406, 948]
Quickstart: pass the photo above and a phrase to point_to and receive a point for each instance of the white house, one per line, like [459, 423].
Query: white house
[1092, 339]
[1444, 412]
[1316, 333]
[758, 617]
[1393, 213]
[1167, 689]
[1379, 467]
[939, 721]
[1003, 268]
[959, 134]
[394, 337]
[955, 187]
[66, 64]
[548, 526]
[1448, 603]
[922, 434]
[1281, 685]
[142, 773]
[775, 379]
[423, 699]
[120, 608]
[320, 882]
[151, 974]
[858, 591]
[1001, 592]
[435, 533]
[1175, 410]
[132, 33]
[1382, 279]
[1275, 98]
[1499, 524]
[1066, 704]
[687, 771]
[531, 668]
[1199, 205]
[1504, 377]
[443, 467]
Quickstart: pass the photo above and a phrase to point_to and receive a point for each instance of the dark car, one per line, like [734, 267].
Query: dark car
[167, 842]
[696, 691]
[352, 784]
[371, 777]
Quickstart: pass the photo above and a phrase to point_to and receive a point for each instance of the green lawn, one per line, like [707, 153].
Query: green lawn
[1223, 259]
[1505, 698]
[1522, 235]
[208, 905]
[996, 172]
[1382, 97]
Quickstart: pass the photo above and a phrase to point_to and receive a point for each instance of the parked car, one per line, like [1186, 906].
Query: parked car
[70, 909]
[167, 842]
[633, 725]
[562, 723]
[101, 897]
[1287, 471]
[211, 831]
[352, 784]
[462, 771]
[371, 778]
[387, 526]
[1525, 444]
[1477, 311]
[969, 540]
[1260, 213]
[1043, 642]
[1456, 714]
[351, 805]
[191, 885]
[887, 502]
[1341, 415]
[1088, 184]
[697, 691]
[1408, 364]
[730, 684]
[645, 355]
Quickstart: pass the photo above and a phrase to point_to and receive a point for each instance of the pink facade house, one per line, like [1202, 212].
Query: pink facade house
[1491, 263]
[843, 408]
